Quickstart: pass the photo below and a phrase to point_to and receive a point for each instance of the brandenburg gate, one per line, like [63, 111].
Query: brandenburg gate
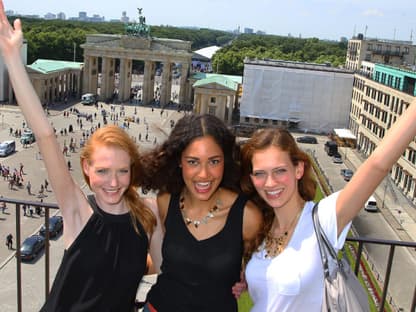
[137, 44]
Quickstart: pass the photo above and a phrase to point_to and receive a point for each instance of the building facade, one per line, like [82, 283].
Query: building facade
[377, 101]
[302, 96]
[390, 52]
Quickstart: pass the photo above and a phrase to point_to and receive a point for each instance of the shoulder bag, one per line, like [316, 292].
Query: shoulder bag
[342, 290]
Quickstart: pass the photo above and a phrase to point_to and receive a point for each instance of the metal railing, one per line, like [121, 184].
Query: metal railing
[359, 252]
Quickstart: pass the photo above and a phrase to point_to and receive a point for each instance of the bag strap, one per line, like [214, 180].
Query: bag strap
[325, 247]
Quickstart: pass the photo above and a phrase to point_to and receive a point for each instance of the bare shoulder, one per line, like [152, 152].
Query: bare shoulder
[252, 220]
[162, 202]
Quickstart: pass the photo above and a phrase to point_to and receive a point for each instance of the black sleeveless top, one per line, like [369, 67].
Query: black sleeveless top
[102, 268]
[197, 276]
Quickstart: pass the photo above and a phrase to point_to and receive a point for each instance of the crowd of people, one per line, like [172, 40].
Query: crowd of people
[224, 218]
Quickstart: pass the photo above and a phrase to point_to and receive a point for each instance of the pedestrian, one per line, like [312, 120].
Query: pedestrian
[3, 206]
[41, 191]
[69, 165]
[24, 210]
[208, 226]
[21, 169]
[31, 211]
[113, 224]
[29, 188]
[46, 184]
[9, 241]
[285, 273]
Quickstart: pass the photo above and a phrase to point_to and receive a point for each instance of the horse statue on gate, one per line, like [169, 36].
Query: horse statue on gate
[138, 29]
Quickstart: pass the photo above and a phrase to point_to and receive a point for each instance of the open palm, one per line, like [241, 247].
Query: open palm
[11, 38]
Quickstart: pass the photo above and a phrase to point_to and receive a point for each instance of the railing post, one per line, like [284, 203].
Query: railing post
[47, 252]
[18, 260]
[387, 278]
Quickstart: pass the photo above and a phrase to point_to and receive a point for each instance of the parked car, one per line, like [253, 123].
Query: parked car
[89, 99]
[371, 205]
[331, 148]
[27, 137]
[31, 247]
[7, 147]
[347, 174]
[337, 158]
[56, 226]
[307, 139]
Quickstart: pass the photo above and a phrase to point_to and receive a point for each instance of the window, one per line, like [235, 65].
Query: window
[212, 100]
[211, 110]
[247, 119]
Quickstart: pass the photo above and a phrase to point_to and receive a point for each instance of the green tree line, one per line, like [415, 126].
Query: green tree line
[61, 39]
[230, 59]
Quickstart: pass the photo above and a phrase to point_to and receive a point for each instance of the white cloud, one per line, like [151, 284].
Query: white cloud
[373, 12]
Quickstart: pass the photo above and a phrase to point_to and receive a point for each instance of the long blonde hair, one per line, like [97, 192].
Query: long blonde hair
[114, 136]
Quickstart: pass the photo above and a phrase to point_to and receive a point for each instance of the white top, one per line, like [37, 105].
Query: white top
[293, 280]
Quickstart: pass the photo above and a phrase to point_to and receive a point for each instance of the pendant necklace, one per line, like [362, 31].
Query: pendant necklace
[273, 246]
[204, 220]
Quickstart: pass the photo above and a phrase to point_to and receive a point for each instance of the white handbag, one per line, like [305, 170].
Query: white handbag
[342, 290]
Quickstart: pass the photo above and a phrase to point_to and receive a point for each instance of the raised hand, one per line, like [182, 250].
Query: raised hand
[11, 38]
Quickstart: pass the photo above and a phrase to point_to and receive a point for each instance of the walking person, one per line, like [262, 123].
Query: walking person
[207, 225]
[9, 241]
[105, 234]
[3, 206]
[29, 188]
[46, 183]
[285, 273]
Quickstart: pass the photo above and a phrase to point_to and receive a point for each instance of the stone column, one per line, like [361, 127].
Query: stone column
[197, 103]
[221, 103]
[93, 76]
[205, 103]
[107, 78]
[124, 86]
[86, 74]
[148, 82]
[183, 92]
[166, 87]
[231, 103]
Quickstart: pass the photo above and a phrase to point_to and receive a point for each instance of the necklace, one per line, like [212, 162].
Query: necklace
[273, 246]
[204, 220]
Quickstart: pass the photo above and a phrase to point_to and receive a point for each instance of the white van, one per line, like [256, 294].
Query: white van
[7, 147]
[371, 204]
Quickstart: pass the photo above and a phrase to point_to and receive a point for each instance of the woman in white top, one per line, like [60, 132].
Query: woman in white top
[285, 274]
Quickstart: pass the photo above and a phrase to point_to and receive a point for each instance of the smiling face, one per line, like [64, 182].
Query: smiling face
[275, 177]
[202, 165]
[109, 171]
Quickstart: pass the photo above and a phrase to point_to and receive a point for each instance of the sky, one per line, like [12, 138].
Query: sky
[323, 19]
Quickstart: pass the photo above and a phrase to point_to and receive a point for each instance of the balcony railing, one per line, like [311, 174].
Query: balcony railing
[359, 245]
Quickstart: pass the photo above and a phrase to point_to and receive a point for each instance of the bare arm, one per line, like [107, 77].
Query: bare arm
[156, 237]
[370, 174]
[252, 223]
[72, 202]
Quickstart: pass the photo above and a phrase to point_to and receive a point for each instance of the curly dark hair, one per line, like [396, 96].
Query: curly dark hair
[161, 169]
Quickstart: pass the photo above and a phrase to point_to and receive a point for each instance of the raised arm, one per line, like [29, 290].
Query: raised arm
[370, 174]
[72, 202]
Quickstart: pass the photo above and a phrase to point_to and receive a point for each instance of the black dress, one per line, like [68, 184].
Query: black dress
[102, 268]
[197, 275]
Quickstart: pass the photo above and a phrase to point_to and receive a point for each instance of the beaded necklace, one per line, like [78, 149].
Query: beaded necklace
[204, 220]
